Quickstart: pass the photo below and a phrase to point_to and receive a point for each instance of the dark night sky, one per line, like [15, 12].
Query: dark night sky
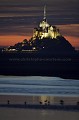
[19, 17]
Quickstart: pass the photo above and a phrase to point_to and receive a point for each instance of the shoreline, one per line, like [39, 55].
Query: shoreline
[36, 99]
[73, 77]
[39, 102]
[46, 107]
[17, 109]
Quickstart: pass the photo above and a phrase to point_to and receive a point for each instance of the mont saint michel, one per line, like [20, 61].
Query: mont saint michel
[47, 53]
[45, 38]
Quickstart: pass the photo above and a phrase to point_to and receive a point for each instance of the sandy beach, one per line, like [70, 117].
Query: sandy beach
[34, 114]
[54, 100]
[9, 113]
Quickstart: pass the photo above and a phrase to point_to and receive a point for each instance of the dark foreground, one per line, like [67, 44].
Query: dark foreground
[36, 106]
[39, 64]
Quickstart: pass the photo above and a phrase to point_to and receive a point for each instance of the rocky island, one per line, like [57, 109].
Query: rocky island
[47, 53]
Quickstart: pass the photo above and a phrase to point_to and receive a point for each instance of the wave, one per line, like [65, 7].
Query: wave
[38, 85]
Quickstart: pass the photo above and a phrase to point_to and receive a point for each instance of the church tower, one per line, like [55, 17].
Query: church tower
[45, 30]
[44, 13]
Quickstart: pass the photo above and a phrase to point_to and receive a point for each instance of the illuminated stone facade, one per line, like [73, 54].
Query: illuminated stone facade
[45, 30]
[45, 38]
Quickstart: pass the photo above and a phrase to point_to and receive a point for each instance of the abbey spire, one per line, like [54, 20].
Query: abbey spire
[45, 13]
[45, 30]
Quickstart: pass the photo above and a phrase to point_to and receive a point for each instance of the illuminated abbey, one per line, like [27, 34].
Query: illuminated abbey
[45, 30]
[45, 38]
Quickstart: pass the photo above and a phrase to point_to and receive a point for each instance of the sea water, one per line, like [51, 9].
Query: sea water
[38, 85]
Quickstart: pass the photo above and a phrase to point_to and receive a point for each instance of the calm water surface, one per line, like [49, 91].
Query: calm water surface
[32, 114]
[37, 85]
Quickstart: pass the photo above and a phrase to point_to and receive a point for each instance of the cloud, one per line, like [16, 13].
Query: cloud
[19, 17]
[69, 30]
[53, 3]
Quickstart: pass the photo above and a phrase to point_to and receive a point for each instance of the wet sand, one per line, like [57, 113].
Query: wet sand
[9, 113]
[54, 100]
[36, 114]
